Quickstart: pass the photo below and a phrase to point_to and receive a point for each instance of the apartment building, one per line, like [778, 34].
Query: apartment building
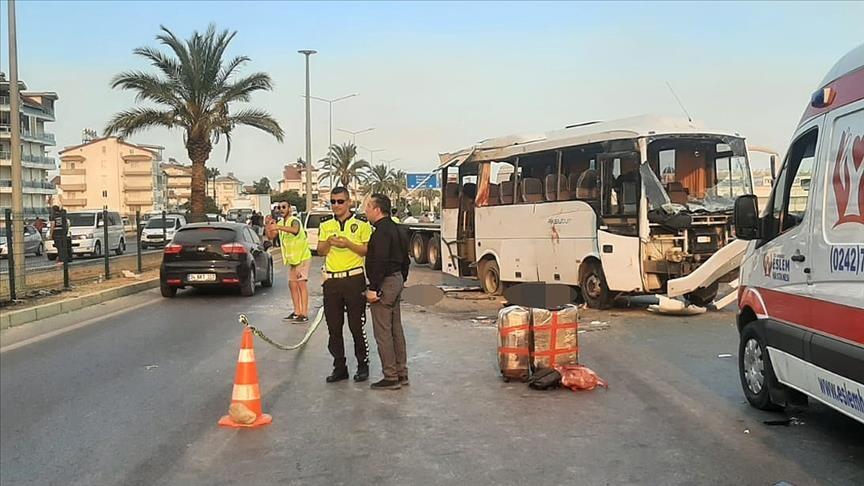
[227, 190]
[110, 171]
[37, 109]
[294, 179]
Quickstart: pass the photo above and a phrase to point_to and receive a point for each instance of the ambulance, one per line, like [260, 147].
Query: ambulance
[801, 295]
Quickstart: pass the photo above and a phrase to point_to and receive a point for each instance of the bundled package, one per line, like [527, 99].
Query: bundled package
[555, 337]
[514, 341]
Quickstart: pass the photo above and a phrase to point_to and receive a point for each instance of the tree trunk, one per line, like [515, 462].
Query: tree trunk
[199, 152]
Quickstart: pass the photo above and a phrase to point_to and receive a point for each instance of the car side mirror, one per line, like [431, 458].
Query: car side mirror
[747, 224]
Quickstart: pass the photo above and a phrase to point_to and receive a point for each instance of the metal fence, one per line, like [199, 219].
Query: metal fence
[49, 259]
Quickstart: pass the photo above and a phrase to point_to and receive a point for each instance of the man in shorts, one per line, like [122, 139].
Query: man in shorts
[297, 257]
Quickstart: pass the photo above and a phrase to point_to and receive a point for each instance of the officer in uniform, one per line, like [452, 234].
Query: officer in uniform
[342, 240]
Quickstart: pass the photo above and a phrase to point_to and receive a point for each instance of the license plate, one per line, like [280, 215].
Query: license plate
[201, 277]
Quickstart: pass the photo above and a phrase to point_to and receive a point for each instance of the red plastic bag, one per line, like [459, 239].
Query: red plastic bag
[578, 377]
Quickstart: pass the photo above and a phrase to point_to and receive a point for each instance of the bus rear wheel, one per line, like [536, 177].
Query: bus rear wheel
[592, 284]
[490, 277]
[418, 248]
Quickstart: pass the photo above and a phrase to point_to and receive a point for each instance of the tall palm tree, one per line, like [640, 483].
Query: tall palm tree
[380, 180]
[341, 164]
[212, 173]
[195, 90]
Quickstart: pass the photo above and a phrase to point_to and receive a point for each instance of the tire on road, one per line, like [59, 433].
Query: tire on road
[248, 287]
[433, 252]
[166, 290]
[121, 247]
[97, 249]
[755, 369]
[490, 277]
[268, 281]
[592, 284]
[419, 242]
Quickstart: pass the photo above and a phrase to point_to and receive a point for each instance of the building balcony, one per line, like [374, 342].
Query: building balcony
[138, 186]
[43, 111]
[73, 172]
[73, 187]
[29, 161]
[28, 136]
[180, 185]
[138, 171]
[76, 202]
[136, 200]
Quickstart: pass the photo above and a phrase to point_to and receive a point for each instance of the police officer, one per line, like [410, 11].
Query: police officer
[297, 257]
[343, 241]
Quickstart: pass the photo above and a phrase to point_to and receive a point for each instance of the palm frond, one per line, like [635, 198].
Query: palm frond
[135, 120]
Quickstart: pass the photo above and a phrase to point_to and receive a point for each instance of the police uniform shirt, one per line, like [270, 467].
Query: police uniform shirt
[353, 229]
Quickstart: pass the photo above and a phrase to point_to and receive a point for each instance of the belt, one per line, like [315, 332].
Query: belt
[349, 273]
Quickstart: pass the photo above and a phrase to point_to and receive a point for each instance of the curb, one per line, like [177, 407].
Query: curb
[23, 316]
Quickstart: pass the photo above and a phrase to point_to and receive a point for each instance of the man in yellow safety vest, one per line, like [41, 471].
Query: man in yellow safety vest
[297, 257]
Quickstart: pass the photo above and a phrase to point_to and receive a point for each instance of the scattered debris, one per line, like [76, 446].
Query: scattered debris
[150, 367]
[724, 355]
[594, 326]
[746, 431]
[457, 288]
[130, 274]
[784, 422]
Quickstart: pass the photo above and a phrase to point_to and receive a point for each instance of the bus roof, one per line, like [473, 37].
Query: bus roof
[634, 127]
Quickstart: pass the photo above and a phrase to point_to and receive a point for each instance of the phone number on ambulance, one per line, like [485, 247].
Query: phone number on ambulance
[847, 259]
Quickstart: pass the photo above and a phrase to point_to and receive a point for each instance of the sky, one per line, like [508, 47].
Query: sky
[435, 77]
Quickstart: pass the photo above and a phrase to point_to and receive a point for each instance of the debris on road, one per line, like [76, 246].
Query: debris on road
[579, 377]
[784, 422]
[130, 274]
[457, 288]
[724, 355]
[675, 307]
[594, 326]
[151, 367]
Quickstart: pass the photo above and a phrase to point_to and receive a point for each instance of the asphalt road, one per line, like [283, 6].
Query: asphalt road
[133, 398]
[36, 263]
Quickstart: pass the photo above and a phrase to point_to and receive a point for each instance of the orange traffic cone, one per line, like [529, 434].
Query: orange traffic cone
[246, 395]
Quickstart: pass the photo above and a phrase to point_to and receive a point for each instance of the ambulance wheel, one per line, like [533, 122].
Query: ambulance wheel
[754, 367]
[418, 248]
[592, 284]
[703, 295]
[490, 277]
[433, 253]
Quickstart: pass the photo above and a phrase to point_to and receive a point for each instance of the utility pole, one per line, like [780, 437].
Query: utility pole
[307, 53]
[17, 172]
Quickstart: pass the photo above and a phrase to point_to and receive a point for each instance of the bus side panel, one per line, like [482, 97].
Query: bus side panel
[509, 231]
[449, 258]
[621, 261]
[569, 235]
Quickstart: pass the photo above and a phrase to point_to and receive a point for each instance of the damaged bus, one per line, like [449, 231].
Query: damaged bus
[615, 208]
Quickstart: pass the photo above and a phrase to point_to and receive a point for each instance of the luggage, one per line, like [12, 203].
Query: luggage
[514, 340]
[555, 338]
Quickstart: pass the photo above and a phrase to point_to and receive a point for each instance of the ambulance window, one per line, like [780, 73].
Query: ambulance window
[789, 201]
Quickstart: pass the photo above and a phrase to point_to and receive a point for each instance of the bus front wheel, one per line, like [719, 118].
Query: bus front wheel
[490, 277]
[592, 284]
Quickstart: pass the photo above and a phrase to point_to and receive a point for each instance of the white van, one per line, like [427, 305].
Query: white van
[153, 235]
[801, 300]
[87, 231]
[311, 222]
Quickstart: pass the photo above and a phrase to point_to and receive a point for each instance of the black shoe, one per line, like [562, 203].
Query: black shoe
[300, 319]
[338, 375]
[290, 317]
[362, 374]
[386, 384]
[403, 380]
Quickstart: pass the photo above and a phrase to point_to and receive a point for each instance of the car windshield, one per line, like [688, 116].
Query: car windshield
[81, 220]
[158, 223]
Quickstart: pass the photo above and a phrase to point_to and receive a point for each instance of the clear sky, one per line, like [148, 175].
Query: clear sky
[435, 77]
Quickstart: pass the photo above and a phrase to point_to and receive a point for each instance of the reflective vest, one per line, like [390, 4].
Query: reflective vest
[344, 259]
[295, 248]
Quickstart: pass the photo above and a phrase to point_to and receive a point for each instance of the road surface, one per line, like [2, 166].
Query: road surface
[133, 398]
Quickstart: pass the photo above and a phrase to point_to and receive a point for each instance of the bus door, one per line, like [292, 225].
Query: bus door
[465, 233]
[450, 222]
[618, 236]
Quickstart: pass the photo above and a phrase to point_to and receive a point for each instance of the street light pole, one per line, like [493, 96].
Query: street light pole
[372, 154]
[307, 53]
[17, 171]
[354, 134]
[330, 102]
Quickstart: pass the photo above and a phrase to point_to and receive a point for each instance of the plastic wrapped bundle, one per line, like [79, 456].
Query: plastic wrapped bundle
[555, 337]
[514, 339]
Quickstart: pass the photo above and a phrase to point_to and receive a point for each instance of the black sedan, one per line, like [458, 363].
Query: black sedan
[215, 255]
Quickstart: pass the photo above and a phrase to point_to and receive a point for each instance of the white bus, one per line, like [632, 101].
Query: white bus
[617, 207]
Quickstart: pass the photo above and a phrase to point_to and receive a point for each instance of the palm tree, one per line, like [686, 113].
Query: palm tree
[212, 173]
[340, 164]
[195, 89]
[381, 179]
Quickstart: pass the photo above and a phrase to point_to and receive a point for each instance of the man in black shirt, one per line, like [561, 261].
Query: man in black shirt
[387, 269]
[59, 231]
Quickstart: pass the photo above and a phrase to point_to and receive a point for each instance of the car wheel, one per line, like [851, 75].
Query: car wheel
[40, 249]
[418, 248]
[52, 256]
[97, 249]
[248, 288]
[754, 366]
[167, 290]
[592, 284]
[121, 248]
[268, 282]
[490, 277]
[704, 295]
[433, 252]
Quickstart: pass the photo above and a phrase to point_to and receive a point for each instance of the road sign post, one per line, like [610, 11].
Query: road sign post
[106, 246]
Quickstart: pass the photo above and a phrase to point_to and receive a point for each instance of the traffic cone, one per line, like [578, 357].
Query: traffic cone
[246, 392]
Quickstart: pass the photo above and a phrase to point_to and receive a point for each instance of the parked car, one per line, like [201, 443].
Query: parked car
[215, 255]
[32, 242]
[801, 301]
[215, 218]
[87, 231]
[152, 234]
